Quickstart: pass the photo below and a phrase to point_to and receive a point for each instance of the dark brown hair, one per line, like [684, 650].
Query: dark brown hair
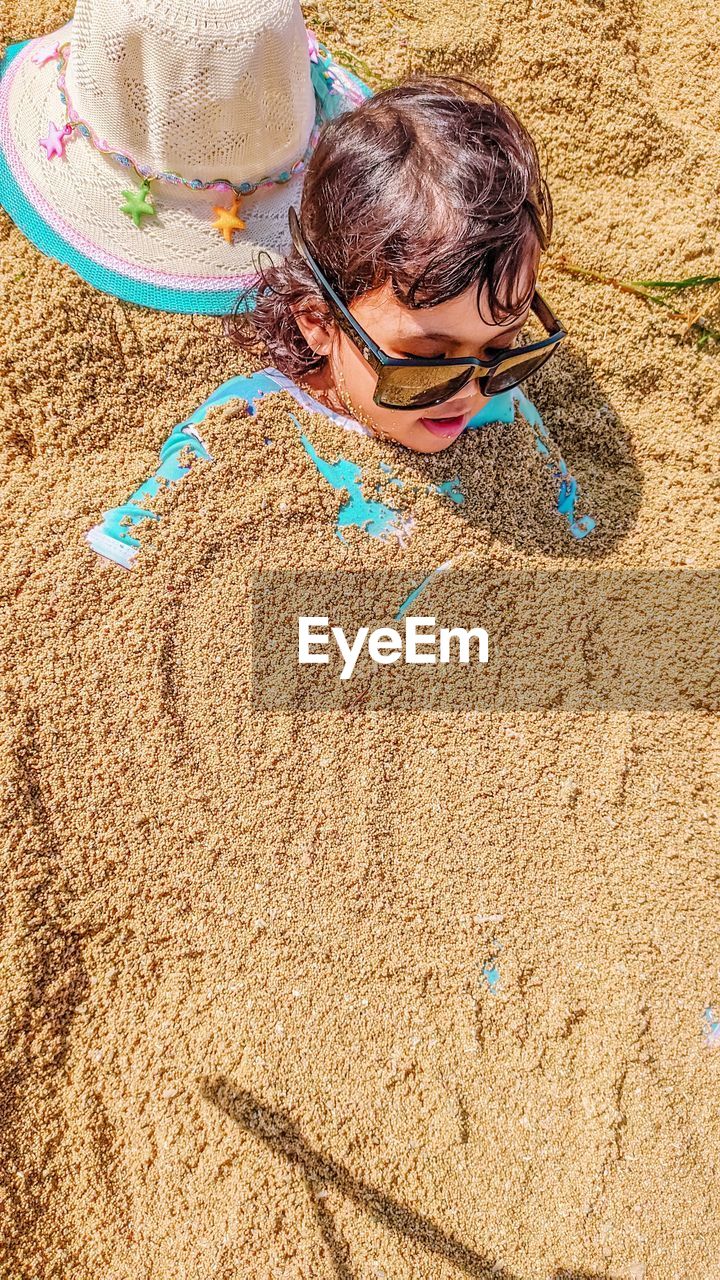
[433, 185]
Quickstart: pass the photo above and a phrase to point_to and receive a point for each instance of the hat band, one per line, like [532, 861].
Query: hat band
[318, 53]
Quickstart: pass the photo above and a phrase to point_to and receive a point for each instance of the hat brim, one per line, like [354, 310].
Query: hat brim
[69, 208]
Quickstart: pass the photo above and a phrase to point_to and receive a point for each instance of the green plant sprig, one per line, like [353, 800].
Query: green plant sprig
[693, 282]
[695, 322]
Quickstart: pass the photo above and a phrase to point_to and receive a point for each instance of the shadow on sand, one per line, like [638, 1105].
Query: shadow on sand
[598, 450]
[509, 493]
[319, 1173]
[597, 446]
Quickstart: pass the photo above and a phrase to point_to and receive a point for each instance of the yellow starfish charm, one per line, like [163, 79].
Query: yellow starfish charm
[227, 221]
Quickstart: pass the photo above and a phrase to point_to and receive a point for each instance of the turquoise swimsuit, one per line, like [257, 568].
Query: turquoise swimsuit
[113, 537]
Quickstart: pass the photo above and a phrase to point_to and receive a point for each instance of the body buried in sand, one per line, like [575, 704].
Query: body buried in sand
[385, 644]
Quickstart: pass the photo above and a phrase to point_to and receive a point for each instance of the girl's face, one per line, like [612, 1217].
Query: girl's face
[453, 328]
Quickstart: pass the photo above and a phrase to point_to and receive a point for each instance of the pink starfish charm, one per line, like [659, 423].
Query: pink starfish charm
[56, 141]
[46, 55]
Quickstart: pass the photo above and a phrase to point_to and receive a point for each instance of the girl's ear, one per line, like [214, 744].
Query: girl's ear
[315, 325]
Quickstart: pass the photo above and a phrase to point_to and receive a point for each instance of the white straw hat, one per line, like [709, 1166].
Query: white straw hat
[156, 145]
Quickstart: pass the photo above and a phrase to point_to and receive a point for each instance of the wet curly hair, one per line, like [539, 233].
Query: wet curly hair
[433, 185]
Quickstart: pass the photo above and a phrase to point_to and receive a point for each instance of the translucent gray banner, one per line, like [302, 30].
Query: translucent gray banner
[581, 640]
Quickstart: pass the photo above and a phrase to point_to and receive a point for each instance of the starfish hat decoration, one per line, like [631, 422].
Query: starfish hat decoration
[227, 221]
[139, 209]
[138, 204]
[55, 142]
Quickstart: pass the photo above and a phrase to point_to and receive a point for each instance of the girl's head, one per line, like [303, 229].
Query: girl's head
[426, 209]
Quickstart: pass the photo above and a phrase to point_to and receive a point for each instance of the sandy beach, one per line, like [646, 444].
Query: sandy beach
[360, 993]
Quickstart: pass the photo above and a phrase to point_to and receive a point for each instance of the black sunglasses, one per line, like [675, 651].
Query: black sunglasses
[419, 383]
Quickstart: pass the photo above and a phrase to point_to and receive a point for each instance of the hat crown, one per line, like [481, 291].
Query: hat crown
[205, 89]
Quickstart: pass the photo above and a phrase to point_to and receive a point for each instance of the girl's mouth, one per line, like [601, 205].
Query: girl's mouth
[447, 428]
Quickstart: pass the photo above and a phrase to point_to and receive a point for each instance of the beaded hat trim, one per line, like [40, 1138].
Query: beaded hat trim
[319, 55]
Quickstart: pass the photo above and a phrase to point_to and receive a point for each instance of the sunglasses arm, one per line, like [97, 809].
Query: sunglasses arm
[347, 323]
[545, 315]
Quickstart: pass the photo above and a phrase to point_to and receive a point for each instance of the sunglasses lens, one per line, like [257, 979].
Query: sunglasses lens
[420, 387]
[507, 376]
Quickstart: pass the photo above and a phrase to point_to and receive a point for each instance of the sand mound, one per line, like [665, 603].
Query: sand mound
[351, 992]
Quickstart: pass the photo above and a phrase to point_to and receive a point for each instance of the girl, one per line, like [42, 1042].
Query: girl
[423, 217]
[422, 221]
